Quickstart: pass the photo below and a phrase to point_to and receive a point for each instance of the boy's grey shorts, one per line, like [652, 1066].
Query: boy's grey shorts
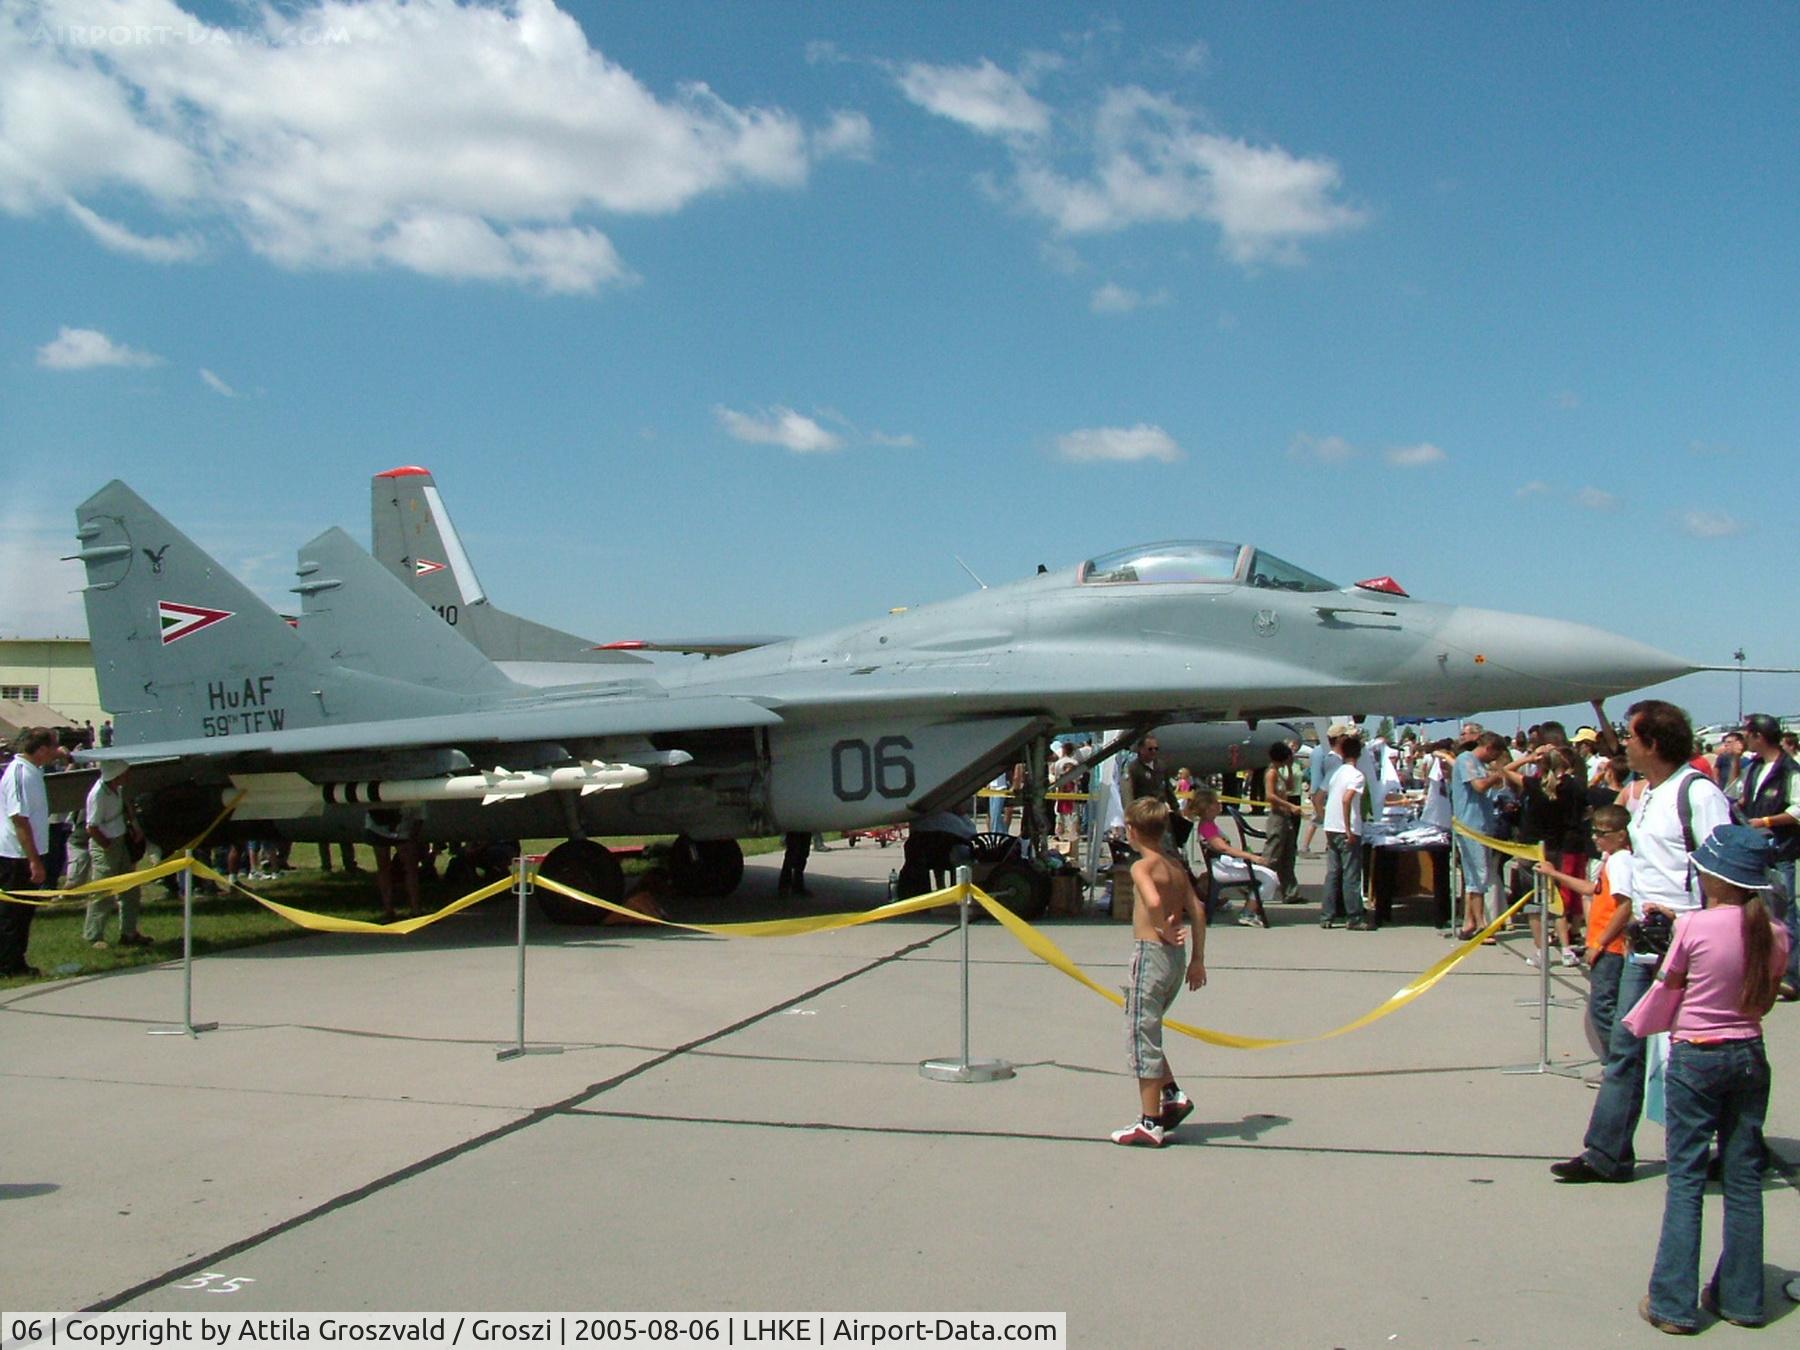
[1155, 977]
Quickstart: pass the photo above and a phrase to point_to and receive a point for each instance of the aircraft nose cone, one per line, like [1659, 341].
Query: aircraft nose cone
[1571, 662]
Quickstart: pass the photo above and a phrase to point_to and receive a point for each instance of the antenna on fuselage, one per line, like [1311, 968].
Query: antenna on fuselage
[971, 571]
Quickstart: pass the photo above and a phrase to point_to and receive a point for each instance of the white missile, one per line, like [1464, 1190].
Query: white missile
[275, 796]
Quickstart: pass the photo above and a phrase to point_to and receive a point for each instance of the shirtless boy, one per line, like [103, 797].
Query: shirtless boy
[1164, 909]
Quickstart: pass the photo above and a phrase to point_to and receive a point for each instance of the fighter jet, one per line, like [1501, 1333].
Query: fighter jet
[365, 702]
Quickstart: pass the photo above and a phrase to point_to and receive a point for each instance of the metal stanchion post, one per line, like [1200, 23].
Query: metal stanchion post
[963, 1070]
[519, 1047]
[1456, 886]
[1541, 898]
[188, 1026]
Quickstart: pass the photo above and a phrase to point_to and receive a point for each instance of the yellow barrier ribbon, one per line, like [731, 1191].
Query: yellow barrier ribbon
[1049, 953]
[1533, 852]
[759, 928]
[330, 923]
[1028, 937]
[217, 820]
[105, 886]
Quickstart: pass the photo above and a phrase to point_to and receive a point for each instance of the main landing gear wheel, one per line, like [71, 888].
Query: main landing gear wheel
[585, 866]
[1020, 887]
[706, 868]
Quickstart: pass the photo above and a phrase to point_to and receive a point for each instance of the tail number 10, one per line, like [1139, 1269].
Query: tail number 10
[857, 770]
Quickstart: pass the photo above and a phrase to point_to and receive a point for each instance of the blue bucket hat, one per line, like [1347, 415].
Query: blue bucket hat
[1739, 855]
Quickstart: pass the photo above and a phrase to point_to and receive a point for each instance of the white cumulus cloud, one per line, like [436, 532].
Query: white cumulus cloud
[1148, 160]
[214, 383]
[112, 235]
[1419, 456]
[88, 348]
[981, 97]
[1537, 487]
[453, 139]
[1118, 445]
[1703, 524]
[848, 134]
[779, 426]
[1596, 499]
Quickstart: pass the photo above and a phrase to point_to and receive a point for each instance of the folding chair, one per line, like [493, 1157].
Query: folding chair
[1218, 891]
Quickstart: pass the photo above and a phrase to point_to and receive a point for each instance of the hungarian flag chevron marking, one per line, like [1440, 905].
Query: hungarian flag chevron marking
[179, 620]
[424, 567]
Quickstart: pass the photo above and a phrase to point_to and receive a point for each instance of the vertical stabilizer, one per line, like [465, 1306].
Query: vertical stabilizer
[183, 649]
[413, 537]
[355, 612]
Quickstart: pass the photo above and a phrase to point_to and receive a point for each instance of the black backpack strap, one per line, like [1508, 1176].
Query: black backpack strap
[1684, 808]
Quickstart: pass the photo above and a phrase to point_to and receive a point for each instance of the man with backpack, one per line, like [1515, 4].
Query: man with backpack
[1680, 807]
[1769, 801]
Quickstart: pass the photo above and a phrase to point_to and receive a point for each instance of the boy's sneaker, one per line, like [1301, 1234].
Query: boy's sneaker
[1246, 919]
[1569, 958]
[1140, 1134]
[1175, 1110]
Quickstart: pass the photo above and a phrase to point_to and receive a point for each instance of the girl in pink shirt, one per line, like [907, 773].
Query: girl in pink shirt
[1726, 960]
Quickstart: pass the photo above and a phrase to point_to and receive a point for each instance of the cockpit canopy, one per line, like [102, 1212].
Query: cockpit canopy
[1199, 560]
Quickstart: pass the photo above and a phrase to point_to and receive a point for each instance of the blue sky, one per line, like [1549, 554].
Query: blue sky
[751, 317]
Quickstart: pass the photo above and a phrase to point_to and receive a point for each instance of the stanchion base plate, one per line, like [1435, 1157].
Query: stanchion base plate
[1559, 1070]
[955, 1071]
[514, 1051]
[193, 1030]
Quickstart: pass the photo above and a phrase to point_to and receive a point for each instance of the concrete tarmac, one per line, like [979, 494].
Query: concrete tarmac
[741, 1125]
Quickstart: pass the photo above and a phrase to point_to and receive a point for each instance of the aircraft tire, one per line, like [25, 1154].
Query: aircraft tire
[1019, 886]
[586, 866]
[706, 869]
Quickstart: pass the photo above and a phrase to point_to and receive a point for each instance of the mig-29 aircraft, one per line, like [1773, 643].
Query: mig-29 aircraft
[372, 699]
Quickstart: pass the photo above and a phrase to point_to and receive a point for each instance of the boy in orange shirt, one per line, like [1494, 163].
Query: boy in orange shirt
[1608, 913]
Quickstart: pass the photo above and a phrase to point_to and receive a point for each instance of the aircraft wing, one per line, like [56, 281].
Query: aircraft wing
[549, 720]
[701, 646]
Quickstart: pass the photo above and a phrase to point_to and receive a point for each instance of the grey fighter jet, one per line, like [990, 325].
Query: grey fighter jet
[218, 698]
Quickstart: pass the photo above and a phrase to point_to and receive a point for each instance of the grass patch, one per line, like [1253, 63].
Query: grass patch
[224, 922]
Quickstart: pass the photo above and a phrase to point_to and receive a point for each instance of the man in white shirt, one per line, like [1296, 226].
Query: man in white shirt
[24, 840]
[110, 830]
[1320, 765]
[1680, 807]
[1065, 775]
[1343, 840]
